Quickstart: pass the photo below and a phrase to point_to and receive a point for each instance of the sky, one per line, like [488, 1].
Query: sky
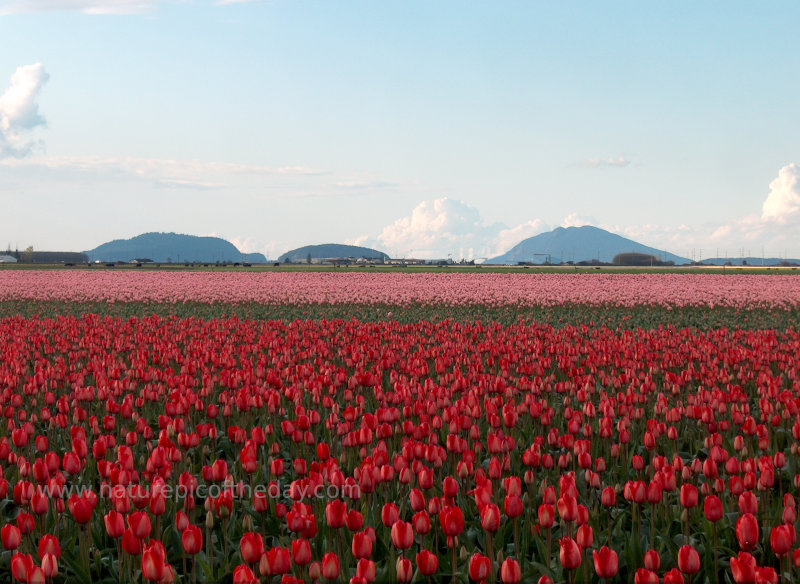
[423, 129]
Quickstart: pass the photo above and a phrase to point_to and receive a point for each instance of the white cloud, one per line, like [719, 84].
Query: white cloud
[508, 238]
[783, 202]
[447, 228]
[246, 244]
[575, 220]
[19, 112]
[84, 6]
[618, 162]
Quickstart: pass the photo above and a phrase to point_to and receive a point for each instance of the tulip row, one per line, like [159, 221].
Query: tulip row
[183, 450]
[457, 289]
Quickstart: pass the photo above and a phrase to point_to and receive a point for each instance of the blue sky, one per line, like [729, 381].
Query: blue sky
[421, 128]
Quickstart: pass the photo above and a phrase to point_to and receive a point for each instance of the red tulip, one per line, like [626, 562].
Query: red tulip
[301, 552]
[153, 563]
[139, 523]
[389, 514]
[242, 574]
[510, 572]
[512, 506]
[569, 554]
[452, 521]
[21, 566]
[49, 544]
[252, 547]
[643, 576]
[748, 503]
[366, 569]
[404, 569]
[330, 566]
[131, 544]
[674, 576]
[277, 561]
[362, 545]
[336, 514]
[479, 567]
[743, 568]
[652, 561]
[546, 516]
[427, 563]
[780, 539]
[712, 508]
[192, 540]
[689, 496]
[606, 562]
[608, 497]
[354, 520]
[490, 518]
[402, 535]
[688, 560]
[10, 536]
[585, 536]
[49, 565]
[568, 508]
[766, 575]
[747, 532]
[421, 522]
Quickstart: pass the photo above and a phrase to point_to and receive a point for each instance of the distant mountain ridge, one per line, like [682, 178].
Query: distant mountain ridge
[578, 244]
[172, 247]
[331, 250]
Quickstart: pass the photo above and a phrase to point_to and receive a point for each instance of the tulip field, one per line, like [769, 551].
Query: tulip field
[388, 427]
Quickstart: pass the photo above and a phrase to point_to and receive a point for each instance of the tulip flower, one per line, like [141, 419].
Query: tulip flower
[242, 574]
[330, 566]
[362, 545]
[252, 547]
[490, 518]
[780, 539]
[452, 521]
[153, 563]
[643, 576]
[569, 554]
[673, 577]
[712, 508]
[652, 561]
[402, 535]
[605, 562]
[747, 532]
[336, 514]
[479, 567]
[688, 560]
[49, 544]
[301, 552]
[10, 536]
[427, 563]
[510, 572]
[139, 523]
[192, 540]
[404, 570]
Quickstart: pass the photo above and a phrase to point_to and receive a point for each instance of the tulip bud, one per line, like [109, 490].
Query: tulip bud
[209, 520]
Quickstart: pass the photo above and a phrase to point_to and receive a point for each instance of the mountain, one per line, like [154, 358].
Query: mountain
[172, 247]
[331, 250]
[577, 244]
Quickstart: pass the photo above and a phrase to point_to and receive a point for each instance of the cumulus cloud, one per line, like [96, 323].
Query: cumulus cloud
[783, 201]
[575, 220]
[444, 228]
[618, 162]
[247, 244]
[19, 111]
[84, 6]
